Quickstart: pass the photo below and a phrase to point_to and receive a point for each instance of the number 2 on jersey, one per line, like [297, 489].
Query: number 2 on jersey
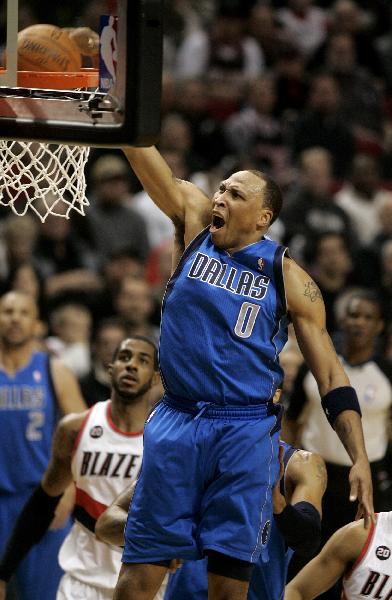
[246, 319]
[36, 422]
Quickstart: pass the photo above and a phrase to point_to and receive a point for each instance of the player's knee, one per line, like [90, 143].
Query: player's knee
[227, 566]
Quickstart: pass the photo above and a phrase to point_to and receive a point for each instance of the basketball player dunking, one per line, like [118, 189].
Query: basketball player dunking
[101, 451]
[211, 446]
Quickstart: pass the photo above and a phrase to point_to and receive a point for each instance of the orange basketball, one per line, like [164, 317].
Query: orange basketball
[47, 48]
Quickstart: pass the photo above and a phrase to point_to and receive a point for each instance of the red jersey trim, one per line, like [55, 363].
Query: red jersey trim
[116, 429]
[91, 506]
[363, 552]
[80, 432]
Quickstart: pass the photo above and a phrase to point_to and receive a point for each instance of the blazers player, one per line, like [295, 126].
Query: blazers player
[101, 451]
[363, 556]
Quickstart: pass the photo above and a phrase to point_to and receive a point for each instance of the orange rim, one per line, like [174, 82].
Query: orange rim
[85, 78]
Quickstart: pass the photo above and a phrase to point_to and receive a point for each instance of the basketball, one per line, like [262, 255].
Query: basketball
[47, 48]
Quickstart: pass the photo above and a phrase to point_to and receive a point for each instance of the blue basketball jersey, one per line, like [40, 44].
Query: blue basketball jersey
[224, 322]
[28, 416]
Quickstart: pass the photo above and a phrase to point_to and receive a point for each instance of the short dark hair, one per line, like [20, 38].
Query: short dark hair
[367, 295]
[272, 197]
[143, 338]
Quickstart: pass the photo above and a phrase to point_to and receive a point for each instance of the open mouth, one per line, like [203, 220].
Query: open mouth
[217, 223]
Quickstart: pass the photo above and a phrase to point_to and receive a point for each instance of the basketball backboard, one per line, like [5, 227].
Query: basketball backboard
[125, 110]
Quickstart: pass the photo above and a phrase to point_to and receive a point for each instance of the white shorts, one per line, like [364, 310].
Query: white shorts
[73, 589]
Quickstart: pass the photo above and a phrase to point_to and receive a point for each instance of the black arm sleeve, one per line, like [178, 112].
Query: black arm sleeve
[300, 525]
[30, 527]
[297, 398]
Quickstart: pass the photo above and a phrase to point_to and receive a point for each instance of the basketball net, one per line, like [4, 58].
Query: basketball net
[48, 179]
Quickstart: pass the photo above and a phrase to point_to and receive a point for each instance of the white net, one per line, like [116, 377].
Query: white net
[45, 178]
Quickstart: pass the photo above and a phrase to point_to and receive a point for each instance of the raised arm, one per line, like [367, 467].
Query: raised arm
[180, 200]
[339, 399]
[327, 567]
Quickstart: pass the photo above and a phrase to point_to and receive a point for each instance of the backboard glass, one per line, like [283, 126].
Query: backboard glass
[126, 108]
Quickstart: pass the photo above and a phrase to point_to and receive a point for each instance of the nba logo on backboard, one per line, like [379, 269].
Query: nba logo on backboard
[260, 264]
[107, 51]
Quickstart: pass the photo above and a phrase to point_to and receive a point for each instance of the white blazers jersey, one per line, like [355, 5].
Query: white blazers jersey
[371, 575]
[105, 462]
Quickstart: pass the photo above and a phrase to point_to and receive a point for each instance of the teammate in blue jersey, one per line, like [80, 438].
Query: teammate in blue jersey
[296, 526]
[211, 445]
[34, 392]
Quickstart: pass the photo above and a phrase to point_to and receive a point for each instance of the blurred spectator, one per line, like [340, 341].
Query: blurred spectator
[121, 263]
[322, 124]
[66, 264]
[255, 132]
[383, 47]
[266, 29]
[95, 385]
[17, 243]
[361, 198]
[176, 134]
[291, 83]
[386, 279]
[346, 16]
[224, 55]
[168, 98]
[71, 328]
[192, 103]
[134, 305]
[361, 100]
[112, 223]
[309, 209]
[330, 264]
[307, 24]
[25, 277]
[180, 19]
[384, 215]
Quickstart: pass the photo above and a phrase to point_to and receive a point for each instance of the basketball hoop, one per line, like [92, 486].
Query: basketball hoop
[47, 178]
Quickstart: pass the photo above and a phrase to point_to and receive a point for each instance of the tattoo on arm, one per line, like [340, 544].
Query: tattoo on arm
[312, 291]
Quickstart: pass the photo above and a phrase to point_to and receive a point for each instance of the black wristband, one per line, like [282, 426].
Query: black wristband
[338, 400]
[30, 527]
[300, 525]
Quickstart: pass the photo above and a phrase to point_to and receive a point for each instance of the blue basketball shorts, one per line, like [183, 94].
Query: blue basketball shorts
[205, 483]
